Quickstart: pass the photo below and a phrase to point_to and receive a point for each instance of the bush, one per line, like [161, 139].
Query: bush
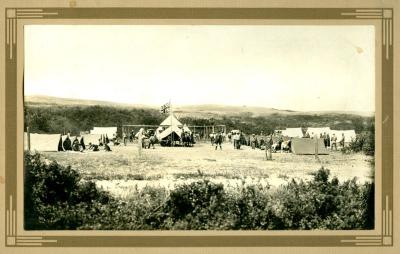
[57, 198]
[365, 142]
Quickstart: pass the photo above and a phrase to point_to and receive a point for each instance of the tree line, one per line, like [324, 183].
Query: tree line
[73, 119]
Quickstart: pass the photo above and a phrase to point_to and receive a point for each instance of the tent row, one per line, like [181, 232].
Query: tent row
[298, 133]
[52, 142]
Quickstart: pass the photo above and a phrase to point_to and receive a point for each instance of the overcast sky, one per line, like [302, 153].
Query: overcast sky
[284, 67]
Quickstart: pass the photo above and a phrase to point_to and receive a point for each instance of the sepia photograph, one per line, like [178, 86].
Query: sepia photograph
[199, 127]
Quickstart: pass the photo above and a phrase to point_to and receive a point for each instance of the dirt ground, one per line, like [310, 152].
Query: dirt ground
[123, 171]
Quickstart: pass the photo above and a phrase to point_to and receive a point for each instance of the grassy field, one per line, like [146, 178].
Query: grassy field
[122, 171]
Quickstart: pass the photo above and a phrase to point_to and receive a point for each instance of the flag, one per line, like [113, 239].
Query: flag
[165, 108]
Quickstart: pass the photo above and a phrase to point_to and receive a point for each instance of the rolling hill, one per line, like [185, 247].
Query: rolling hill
[194, 111]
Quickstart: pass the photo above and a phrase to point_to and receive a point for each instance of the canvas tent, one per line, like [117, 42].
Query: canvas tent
[175, 130]
[349, 135]
[42, 142]
[171, 120]
[292, 132]
[158, 131]
[318, 131]
[307, 146]
[186, 128]
[109, 131]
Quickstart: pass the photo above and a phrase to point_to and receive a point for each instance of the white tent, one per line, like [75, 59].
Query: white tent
[318, 131]
[158, 131]
[349, 135]
[186, 128]
[109, 131]
[292, 132]
[42, 142]
[171, 120]
[170, 130]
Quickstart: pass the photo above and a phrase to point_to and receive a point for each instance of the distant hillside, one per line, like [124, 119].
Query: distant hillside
[194, 111]
[42, 100]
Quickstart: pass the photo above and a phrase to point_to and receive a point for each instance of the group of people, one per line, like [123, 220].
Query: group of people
[77, 145]
[68, 145]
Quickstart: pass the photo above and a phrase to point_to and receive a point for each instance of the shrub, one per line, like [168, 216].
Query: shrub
[55, 196]
[199, 205]
[365, 142]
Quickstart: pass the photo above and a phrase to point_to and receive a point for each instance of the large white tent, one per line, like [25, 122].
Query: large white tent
[42, 142]
[292, 132]
[169, 131]
[171, 120]
[318, 131]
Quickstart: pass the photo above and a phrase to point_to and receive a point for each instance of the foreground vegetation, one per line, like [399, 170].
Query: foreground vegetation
[57, 198]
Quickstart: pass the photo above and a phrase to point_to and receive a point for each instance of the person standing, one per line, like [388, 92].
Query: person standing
[140, 136]
[268, 148]
[253, 141]
[239, 140]
[235, 140]
[125, 138]
[342, 140]
[325, 140]
[218, 140]
[333, 142]
[328, 141]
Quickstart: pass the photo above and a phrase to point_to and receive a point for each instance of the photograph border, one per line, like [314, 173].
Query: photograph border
[14, 15]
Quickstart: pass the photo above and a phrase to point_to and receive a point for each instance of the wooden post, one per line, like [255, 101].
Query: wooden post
[28, 134]
[316, 146]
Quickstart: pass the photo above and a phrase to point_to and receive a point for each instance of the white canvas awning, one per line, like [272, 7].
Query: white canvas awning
[170, 130]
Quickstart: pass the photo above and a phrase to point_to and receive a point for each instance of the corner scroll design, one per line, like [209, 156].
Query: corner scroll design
[387, 31]
[387, 224]
[386, 237]
[365, 14]
[12, 16]
[12, 239]
[386, 15]
[11, 31]
[33, 13]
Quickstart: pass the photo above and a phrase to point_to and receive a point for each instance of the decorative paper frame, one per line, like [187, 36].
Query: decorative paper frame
[13, 239]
